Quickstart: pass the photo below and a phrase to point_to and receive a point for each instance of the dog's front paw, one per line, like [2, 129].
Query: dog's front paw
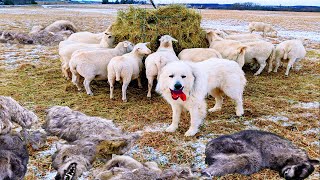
[171, 128]
[191, 132]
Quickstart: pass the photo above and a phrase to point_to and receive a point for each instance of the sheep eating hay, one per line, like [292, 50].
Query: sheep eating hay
[146, 25]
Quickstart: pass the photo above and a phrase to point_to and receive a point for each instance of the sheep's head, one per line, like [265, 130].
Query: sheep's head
[274, 34]
[142, 49]
[212, 36]
[127, 45]
[166, 41]
[108, 39]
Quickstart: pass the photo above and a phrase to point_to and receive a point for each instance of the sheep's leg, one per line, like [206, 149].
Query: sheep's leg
[111, 80]
[176, 113]
[76, 80]
[262, 66]
[217, 94]
[139, 82]
[150, 83]
[86, 84]
[124, 90]
[290, 64]
[277, 65]
[64, 69]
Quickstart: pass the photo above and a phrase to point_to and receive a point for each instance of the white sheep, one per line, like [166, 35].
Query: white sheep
[293, 50]
[126, 68]
[94, 64]
[260, 51]
[198, 54]
[155, 61]
[229, 49]
[67, 48]
[262, 27]
[238, 37]
[61, 25]
[88, 37]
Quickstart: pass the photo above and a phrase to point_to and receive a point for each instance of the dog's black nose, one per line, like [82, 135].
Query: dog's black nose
[177, 86]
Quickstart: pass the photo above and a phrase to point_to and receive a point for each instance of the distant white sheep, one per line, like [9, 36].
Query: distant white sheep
[155, 61]
[229, 49]
[88, 37]
[94, 64]
[262, 27]
[293, 50]
[198, 54]
[126, 68]
[61, 25]
[67, 48]
[259, 52]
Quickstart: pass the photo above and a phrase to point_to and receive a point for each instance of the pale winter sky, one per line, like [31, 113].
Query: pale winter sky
[262, 2]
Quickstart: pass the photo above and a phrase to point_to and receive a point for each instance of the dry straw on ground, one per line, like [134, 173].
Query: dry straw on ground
[146, 25]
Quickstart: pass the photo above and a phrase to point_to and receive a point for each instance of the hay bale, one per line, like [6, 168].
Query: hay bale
[147, 25]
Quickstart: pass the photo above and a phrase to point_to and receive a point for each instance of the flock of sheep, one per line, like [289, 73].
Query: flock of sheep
[184, 81]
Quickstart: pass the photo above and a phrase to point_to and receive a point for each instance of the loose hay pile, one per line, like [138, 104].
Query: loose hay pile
[147, 25]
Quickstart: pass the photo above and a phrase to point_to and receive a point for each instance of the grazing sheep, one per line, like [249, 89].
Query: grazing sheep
[11, 111]
[293, 50]
[229, 49]
[250, 151]
[88, 37]
[244, 37]
[198, 54]
[14, 157]
[260, 51]
[126, 68]
[61, 25]
[262, 27]
[67, 48]
[89, 136]
[184, 85]
[94, 64]
[155, 61]
[127, 168]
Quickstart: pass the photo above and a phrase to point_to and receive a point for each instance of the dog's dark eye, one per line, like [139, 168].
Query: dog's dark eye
[183, 76]
[171, 76]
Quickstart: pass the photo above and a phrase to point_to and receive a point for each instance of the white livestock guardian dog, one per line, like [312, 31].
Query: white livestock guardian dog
[185, 85]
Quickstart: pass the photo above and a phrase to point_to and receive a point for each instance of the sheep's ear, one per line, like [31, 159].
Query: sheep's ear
[109, 29]
[242, 49]
[314, 162]
[173, 39]
[125, 44]
[147, 43]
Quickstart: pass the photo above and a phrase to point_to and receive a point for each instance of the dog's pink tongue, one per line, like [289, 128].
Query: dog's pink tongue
[176, 94]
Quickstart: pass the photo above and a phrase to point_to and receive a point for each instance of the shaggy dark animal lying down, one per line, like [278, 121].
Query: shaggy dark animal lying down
[127, 168]
[89, 137]
[11, 111]
[14, 157]
[247, 152]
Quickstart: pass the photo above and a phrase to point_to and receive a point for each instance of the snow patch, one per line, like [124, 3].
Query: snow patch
[307, 105]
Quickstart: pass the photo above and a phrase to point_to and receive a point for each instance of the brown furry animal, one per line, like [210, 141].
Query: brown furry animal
[61, 25]
[11, 111]
[90, 136]
[14, 157]
[127, 168]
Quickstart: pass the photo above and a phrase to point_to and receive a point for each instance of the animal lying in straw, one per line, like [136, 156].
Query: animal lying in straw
[249, 151]
[61, 25]
[127, 168]
[184, 85]
[90, 136]
[14, 157]
[11, 111]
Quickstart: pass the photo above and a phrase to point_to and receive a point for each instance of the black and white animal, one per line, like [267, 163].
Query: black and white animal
[11, 111]
[14, 157]
[250, 151]
[88, 136]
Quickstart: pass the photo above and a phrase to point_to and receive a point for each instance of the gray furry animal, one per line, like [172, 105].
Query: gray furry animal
[89, 137]
[127, 168]
[14, 157]
[11, 111]
[249, 151]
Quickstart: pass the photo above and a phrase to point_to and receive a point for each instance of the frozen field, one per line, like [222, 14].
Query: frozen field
[288, 106]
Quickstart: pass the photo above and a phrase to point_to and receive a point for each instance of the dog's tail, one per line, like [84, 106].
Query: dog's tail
[271, 59]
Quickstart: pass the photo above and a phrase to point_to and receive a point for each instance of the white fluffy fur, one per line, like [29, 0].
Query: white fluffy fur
[88, 37]
[262, 27]
[198, 54]
[213, 76]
